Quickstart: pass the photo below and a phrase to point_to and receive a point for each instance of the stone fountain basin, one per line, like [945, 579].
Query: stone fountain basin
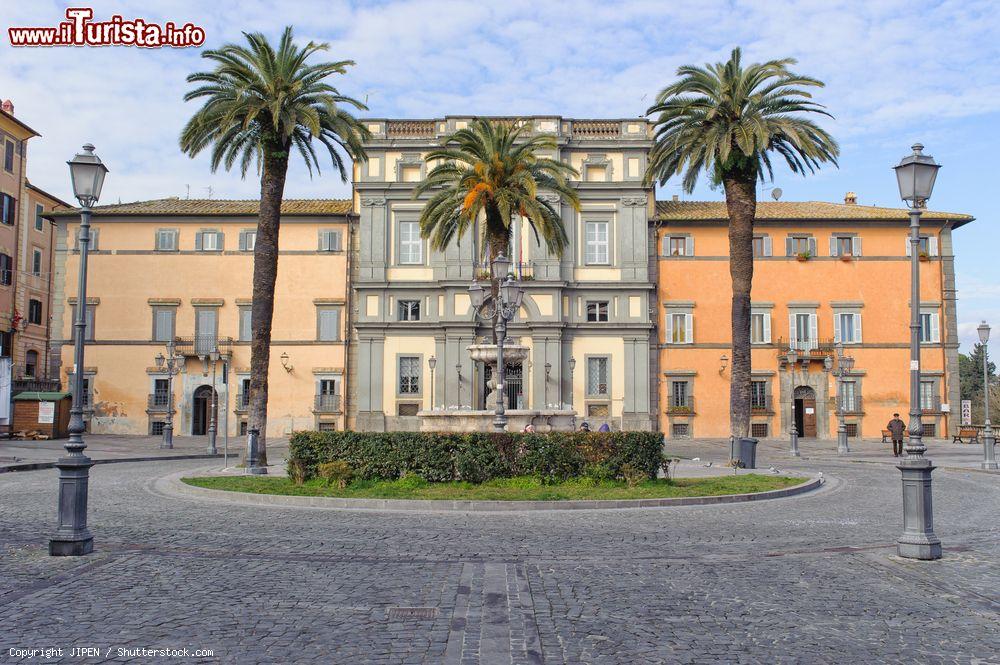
[487, 353]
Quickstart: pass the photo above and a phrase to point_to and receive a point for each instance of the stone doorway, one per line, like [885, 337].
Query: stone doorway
[805, 411]
[201, 410]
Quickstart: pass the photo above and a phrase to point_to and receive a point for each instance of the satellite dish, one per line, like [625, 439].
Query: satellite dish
[776, 193]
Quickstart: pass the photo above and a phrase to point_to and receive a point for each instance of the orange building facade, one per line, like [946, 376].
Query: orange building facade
[824, 274]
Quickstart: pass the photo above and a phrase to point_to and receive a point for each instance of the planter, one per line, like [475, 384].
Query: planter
[924, 257]
[846, 259]
[802, 258]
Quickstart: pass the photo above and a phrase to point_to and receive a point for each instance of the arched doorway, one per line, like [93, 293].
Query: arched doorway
[201, 409]
[805, 411]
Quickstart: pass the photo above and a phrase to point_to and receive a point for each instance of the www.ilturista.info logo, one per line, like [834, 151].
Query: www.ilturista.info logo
[79, 30]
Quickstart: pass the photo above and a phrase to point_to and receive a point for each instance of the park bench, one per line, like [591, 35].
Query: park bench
[887, 436]
[971, 434]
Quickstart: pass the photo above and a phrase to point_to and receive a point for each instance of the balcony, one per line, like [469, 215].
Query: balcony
[31, 384]
[202, 345]
[596, 129]
[852, 405]
[158, 402]
[812, 349]
[242, 402]
[524, 272]
[680, 405]
[930, 404]
[760, 405]
[410, 129]
[327, 404]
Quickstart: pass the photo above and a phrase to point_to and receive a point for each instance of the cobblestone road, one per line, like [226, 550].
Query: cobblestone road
[807, 579]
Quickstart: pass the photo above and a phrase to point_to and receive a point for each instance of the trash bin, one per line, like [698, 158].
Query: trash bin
[748, 453]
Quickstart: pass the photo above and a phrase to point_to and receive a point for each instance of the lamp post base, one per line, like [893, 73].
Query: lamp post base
[842, 446]
[989, 453]
[918, 540]
[73, 538]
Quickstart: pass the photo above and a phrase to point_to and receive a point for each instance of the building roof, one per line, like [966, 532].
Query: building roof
[40, 396]
[202, 207]
[678, 211]
[51, 197]
[21, 125]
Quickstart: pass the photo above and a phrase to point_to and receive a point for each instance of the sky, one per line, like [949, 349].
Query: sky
[896, 72]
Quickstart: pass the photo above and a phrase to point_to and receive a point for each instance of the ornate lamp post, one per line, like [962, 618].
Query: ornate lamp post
[171, 363]
[503, 307]
[844, 366]
[72, 537]
[793, 432]
[989, 454]
[212, 426]
[432, 363]
[915, 175]
[548, 371]
[572, 370]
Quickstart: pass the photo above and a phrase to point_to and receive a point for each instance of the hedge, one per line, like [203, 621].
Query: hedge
[480, 456]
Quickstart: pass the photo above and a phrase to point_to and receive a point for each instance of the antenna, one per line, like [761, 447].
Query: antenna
[209, 189]
[188, 194]
[776, 193]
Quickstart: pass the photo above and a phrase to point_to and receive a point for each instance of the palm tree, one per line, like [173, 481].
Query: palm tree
[260, 103]
[493, 171]
[730, 120]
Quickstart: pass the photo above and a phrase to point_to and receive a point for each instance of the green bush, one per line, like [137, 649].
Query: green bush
[477, 457]
[296, 472]
[337, 471]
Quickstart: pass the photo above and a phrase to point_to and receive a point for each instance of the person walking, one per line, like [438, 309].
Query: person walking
[896, 428]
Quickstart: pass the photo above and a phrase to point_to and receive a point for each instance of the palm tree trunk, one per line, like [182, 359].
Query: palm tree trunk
[741, 204]
[265, 273]
[498, 239]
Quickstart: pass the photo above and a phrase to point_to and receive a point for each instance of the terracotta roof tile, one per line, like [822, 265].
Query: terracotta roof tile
[200, 207]
[792, 210]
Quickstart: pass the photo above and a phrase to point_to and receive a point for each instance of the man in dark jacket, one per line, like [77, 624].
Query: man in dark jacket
[896, 428]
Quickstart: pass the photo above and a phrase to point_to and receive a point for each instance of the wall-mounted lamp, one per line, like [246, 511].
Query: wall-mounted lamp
[548, 370]
[458, 371]
[723, 363]
[285, 364]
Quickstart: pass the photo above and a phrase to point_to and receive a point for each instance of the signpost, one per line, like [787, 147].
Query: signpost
[966, 411]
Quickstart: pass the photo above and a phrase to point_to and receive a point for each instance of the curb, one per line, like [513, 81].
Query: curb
[35, 466]
[172, 485]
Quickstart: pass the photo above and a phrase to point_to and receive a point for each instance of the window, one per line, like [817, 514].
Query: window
[928, 246]
[930, 324]
[92, 243]
[679, 328]
[8, 213]
[6, 340]
[243, 394]
[35, 312]
[6, 270]
[163, 323]
[166, 240]
[845, 246]
[160, 391]
[597, 411]
[329, 240]
[758, 395]
[597, 244]
[852, 430]
[849, 396]
[679, 397]
[407, 409]
[597, 311]
[39, 220]
[762, 245]
[206, 328]
[246, 312]
[679, 246]
[88, 331]
[31, 364]
[409, 310]
[327, 395]
[597, 377]
[680, 430]
[209, 241]
[328, 324]
[409, 375]
[760, 327]
[929, 430]
[847, 327]
[758, 430]
[86, 398]
[928, 396]
[803, 330]
[8, 156]
[36, 262]
[156, 428]
[798, 245]
[248, 240]
[410, 245]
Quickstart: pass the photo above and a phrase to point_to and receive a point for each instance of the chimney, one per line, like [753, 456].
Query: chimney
[851, 199]
[7, 106]
[676, 198]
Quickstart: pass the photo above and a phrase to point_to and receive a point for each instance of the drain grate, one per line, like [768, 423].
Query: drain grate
[412, 613]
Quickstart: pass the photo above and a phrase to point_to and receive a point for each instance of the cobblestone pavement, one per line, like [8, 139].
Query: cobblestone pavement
[810, 579]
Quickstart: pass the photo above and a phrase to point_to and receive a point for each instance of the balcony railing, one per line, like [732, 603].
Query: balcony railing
[930, 405]
[29, 384]
[242, 402]
[680, 405]
[158, 401]
[761, 404]
[416, 129]
[851, 404]
[521, 271]
[202, 345]
[327, 404]
[814, 349]
[596, 129]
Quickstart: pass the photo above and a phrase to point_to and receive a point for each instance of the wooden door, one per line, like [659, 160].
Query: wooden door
[809, 417]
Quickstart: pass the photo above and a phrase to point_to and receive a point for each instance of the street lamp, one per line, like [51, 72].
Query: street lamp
[505, 305]
[989, 455]
[915, 175]
[432, 363]
[572, 370]
[844, 366]
[793, 431]
[72, 537]
[212, 428]
[171, 363]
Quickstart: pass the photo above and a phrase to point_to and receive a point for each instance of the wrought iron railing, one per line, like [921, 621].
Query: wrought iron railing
[851, 404]
[242, 401]
[158, 401]
[680, 404]
[521, 271]
[202, 345]
[930, 405]
[812, 347]
[761, 404]
[327, 403]
[29, 384]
